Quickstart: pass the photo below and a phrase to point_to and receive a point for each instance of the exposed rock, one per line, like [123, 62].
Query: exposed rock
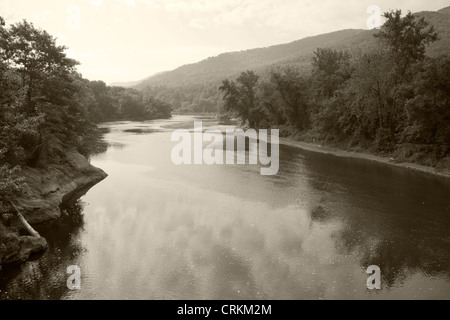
[10, 247]
[16, 249]
[47, 188]
[45, 191]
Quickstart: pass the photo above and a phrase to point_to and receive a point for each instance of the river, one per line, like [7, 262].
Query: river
[154, 230]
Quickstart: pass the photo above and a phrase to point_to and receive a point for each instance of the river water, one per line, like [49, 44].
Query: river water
[154, 230]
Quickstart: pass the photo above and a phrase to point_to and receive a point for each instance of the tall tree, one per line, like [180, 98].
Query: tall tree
[331, 68]
[406, 38]
[293, 89]
[33, 53]
[428, 108]
[240, 97]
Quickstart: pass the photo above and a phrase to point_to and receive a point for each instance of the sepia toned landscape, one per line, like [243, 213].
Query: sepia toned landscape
[317, 168]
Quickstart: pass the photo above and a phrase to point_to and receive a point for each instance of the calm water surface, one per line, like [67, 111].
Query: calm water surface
[153, 230]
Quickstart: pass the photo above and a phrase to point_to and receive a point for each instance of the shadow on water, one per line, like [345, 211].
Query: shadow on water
[44, 277]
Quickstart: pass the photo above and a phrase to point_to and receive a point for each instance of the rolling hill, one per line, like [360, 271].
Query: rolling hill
[298, 52]
[174, 86]
[228, 64]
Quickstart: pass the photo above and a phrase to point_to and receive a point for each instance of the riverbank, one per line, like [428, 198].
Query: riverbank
[366, 156]
[314, 147]
[45, 190]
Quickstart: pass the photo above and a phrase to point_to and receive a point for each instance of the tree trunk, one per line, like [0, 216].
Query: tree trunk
[25, 223]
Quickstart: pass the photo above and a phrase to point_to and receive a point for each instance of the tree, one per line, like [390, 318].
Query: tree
[331, 69]
[374, 108]
[368, 99]
[240, 97]
[406, 38]
[33, 53]
[271, 102]
[18, 132]
[247, 83]
[428, 109]
[293, 89]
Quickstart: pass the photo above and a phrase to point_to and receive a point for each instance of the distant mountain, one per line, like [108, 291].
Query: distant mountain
[228, 64]
[126, 84]
[134, 83]
[298, 52]
[441, 22]
[445, 10]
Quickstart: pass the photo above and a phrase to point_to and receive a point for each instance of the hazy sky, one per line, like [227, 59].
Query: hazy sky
[126, 40]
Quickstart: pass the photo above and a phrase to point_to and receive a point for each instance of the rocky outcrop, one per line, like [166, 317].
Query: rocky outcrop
[17, 249]
[46, 189]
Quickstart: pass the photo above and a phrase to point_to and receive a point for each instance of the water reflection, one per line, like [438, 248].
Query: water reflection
[395, 218]
[44, 277]
[154, 230]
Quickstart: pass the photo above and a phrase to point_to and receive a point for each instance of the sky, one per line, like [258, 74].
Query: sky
[129, 40]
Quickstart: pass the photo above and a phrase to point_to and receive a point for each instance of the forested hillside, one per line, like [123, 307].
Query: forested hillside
[231, 63]
[191, 88]
[392, 100]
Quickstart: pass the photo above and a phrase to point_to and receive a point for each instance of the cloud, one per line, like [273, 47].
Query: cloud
[130, 3]
[42, 14]
[192, 6]
[286, 15]
[200, 23]
[96, 3]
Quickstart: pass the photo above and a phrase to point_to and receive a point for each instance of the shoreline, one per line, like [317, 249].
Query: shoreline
[312, 147]
[47, 190]
[324, 149]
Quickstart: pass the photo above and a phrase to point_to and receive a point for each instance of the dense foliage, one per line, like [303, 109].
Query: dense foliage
[188, 98]
[391, 99]
[105, 103]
